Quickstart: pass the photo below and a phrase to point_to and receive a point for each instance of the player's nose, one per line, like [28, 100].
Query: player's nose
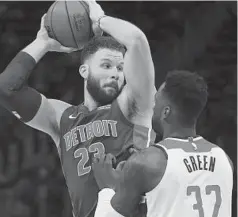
[115, 74]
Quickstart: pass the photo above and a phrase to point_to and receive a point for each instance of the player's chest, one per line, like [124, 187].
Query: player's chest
[92, 128]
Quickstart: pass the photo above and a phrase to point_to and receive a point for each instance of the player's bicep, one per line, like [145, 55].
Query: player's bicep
[126, 201]
[44, 119]
[140, 74]
[141, 173]
[48, 116]
[131, 187]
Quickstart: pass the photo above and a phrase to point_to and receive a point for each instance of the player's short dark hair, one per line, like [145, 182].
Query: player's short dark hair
[188, 92]
[98, 42]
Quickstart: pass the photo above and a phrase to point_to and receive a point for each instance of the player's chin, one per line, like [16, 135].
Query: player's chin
[107, 98]
[111, 92]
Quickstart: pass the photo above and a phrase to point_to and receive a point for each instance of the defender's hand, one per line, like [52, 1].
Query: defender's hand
[95, 12]
[104, 173]
[50, 44]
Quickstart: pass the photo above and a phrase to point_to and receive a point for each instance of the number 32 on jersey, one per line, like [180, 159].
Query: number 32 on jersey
[208, 189]
[97, 148]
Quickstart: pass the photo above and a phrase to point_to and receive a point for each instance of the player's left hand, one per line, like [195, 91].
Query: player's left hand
[95, 13]
[104, 173]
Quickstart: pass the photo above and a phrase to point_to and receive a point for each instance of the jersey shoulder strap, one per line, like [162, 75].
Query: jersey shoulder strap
[162, 148]
[70, 115]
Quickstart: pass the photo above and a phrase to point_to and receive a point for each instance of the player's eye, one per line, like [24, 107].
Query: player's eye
[120, 68]
[106, 65]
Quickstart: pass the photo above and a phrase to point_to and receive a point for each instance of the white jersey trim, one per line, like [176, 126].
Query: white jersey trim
[183, 140]
[149, 138]
[163, 147]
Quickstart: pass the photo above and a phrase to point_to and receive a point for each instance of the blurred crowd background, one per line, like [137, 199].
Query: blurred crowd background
[198, 36]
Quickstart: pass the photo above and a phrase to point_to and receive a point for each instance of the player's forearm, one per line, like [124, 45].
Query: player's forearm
[37, 49]
[16, 74]
[124, 32]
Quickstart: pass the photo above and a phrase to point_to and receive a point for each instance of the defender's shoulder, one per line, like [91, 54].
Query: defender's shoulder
[150, 164]
[155, 158]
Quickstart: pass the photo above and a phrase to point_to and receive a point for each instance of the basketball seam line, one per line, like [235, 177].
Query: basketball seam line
[70, 24]
[51, 22]
[86, 9]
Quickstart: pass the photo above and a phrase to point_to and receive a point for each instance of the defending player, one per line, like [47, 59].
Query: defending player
[113, 116]
[183, 175]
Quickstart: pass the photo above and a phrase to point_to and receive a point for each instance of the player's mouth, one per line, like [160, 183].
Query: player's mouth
[112, 85]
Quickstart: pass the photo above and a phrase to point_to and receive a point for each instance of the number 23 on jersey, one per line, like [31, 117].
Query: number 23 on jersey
[96, 148]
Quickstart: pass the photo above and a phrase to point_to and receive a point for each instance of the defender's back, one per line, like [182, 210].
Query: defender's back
[197, 182]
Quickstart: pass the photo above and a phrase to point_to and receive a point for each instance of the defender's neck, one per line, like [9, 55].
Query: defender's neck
[180, 132]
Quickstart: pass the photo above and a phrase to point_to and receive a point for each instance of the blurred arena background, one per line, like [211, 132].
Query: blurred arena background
[200, 36]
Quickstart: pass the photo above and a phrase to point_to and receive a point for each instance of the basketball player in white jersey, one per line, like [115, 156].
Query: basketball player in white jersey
[184, 175]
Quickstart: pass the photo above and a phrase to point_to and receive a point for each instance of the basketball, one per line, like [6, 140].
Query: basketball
[68, 22]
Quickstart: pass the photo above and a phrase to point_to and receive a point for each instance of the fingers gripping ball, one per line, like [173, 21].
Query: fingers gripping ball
[68, 22]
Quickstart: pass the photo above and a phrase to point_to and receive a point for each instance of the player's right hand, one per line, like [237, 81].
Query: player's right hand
[50, 44]
[105, 175]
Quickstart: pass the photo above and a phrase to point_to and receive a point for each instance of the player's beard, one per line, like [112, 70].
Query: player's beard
[99, 94]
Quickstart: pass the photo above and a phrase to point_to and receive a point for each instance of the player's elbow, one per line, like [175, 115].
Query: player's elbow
[141, 38]
[4, 91]
[138, 39]
[5, 96]
[7, 87]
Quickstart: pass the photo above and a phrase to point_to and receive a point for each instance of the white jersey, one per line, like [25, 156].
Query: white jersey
[197, 182]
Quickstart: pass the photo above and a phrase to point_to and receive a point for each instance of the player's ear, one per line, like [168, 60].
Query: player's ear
[166, 112]
[83, 70]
